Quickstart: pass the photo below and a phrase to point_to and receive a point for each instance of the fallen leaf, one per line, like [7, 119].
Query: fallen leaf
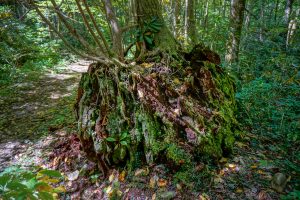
[241, 145]
[111, 177]
[153, 181]
[141, 172]
[204, 196]
[122, 176]
[176, 81]
[239, 190]
[223, 160]
[73, 176]
[147, 65]
[60, 189]
[162, 183]
[218, 180]
[153, 196]
[231, 166]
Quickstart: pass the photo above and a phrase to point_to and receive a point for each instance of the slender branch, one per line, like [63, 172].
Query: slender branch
[96, 27]
[88, 26]
[71, 29]
[128, 48]
[102, 60]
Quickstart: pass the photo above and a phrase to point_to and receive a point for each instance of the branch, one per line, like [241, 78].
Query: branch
[71, 29]
[97, 28]
[101, 60]
[88, 26]
[128, 48]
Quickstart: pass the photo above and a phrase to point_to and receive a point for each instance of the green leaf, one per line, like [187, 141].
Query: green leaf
[4, 179]
[16, 186]
[51, 173]
[111, 139]
[45, 196]
[124, 143]
[124, 136]
[122, 153]
[31, 183]
[148, 39]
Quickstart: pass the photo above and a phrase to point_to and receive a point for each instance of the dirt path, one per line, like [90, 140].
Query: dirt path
[33, 107]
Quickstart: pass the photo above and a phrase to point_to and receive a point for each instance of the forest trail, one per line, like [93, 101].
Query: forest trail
[35, 106]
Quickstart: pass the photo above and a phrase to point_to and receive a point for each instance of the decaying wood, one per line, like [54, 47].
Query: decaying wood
[190, 109]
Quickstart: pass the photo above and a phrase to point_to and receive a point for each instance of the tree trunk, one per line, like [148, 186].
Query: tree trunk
[116, 33]
[176, 6]
[288, 10]
[190, 23]
[157, 112]
[236, 24]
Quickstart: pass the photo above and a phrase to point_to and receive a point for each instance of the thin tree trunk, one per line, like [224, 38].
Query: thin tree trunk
[288, 10]
[206, 15]
[176, 5]
[190, 23]
[262, 21]
[116, 32]
[236, 24]
[292, 29]
[276, 10]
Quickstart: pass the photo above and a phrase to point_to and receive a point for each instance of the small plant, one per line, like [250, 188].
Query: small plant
[17, 183]
[150, 28]
[120, 146]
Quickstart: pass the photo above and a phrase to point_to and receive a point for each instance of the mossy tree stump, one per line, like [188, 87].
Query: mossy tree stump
[157, 113]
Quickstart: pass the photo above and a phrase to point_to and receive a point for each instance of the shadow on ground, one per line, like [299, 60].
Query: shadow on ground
[39, 104]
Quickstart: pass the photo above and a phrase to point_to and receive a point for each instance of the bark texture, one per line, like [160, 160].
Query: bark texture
[152, 113]
[236, 24]
[190, 22]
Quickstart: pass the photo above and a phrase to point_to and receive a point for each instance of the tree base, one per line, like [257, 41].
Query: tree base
[153, 113]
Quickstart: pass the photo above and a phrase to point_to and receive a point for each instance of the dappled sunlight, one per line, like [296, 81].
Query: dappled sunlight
[59, 95]
[59, 76]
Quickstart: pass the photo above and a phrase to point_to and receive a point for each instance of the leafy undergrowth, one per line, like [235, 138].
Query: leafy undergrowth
[246, 174]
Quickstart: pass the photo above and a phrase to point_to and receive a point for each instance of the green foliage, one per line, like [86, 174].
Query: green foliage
[291, 196]
[24, 45]
[147, 33]
[271, 108]
[17, 183]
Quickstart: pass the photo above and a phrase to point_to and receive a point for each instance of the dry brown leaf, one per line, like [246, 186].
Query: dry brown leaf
[162, 183]
[122, 176]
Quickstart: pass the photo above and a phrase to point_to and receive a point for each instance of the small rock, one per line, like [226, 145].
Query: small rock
[73, 176]
[166, 195]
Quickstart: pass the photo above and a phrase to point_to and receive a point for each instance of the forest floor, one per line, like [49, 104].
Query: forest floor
[36, 121]
[34, 105]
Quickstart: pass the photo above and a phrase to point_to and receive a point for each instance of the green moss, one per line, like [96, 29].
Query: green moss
[177, 154]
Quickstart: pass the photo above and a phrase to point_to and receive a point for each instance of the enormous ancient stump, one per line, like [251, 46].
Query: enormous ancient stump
[156, 112]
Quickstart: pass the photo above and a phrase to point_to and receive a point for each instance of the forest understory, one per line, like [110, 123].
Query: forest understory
[246, 174]
[149, 99]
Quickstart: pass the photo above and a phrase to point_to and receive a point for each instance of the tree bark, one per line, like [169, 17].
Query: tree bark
[288, 10]
[146, 11]
[116, 33]
[236, 24]
[176, 6]
[190, 23]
